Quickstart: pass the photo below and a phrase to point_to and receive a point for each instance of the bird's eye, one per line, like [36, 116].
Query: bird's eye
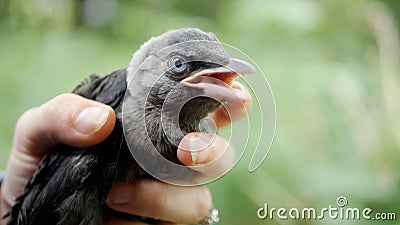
[177, 64]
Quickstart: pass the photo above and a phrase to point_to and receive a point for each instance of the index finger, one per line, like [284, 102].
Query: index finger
[234, 110]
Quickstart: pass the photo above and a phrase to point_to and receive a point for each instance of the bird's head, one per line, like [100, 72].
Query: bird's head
[174, 81]
[185, 72]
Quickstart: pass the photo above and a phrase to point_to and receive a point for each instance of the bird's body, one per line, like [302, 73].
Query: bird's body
[71, 184]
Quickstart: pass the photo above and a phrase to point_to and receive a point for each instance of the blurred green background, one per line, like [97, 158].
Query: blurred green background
[334, 68]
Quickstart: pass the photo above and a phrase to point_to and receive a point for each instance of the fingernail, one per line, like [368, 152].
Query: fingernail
[243, 96]
[198, 148]
[91, 119]
[120, 194]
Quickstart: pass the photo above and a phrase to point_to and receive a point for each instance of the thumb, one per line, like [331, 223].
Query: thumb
[69, 119]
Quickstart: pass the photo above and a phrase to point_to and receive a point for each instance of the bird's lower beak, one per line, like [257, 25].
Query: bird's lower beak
[217, 82]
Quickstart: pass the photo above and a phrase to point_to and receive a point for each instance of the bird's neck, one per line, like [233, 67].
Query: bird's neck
[194, 111]
[171, 126]
[165, 128]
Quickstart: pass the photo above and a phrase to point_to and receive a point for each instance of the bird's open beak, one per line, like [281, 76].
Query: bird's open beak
[217, 82]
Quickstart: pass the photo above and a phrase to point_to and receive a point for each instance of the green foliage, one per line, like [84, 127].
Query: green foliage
[333, 67]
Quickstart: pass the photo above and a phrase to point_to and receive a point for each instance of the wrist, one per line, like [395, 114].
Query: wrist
[2, 175]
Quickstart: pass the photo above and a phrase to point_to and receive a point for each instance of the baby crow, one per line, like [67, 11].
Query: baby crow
[172, 82]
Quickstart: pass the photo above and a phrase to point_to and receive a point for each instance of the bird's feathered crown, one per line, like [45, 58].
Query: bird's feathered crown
[169, 38]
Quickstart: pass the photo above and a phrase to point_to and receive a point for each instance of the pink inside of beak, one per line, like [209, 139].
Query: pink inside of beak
[222, 76]
[226, 77]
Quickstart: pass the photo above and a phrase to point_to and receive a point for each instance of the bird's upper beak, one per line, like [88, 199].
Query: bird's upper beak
[217, 82]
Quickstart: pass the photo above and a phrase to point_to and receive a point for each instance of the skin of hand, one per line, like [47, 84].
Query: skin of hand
[76, 121]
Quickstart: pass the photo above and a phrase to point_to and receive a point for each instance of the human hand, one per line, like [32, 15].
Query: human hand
[75, 121]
